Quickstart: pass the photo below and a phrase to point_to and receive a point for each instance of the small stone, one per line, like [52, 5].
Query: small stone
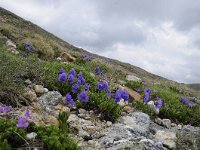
[53, 120]
[87, 137]
[167, 123]
[92, 143]
[179, 127]
[108, 123]
[127, 109]
[173, 125]
[46, 90]
[58, 58]
[50, 98]
[31, 135]
[92, 74]
[147, 141]
[82, 111]
[28, 82]
[39, 89]
[158, 121]
[122, 103]
[151, 105]
[30, 95]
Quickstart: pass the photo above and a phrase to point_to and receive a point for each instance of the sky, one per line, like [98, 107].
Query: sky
[160, 36]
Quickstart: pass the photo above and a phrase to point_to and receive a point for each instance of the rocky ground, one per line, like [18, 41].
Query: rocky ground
[133, 130]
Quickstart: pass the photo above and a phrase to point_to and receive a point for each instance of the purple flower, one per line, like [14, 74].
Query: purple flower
[83, 96]
[70, 79]
[27, 115]
[75, 87]
[73, 72]
[103, 86]
[5, 109]
[80, 75]
[81, 81]
[98, 70]
[109, 95]
[125, 95]
[27, 44]
[22, 123]
[69, 99]
[146, 95]
[62, 77]
[186, 101]
[159, 103]
[86, 86]
[62, 71]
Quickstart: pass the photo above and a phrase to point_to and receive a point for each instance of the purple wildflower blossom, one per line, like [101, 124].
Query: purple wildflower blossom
[70, 79]
[80, 75]
[5, 109]
[22, 123]
[146, 95]
[75, 87]
[109, 95]
[86, 86]
[83, 96]
[97, 70]
[69, 99]
[159, 103]
[27, 115]
[103, 86]
[62, 77]
[73, 72]
[62, 71]
[125, 95]
[186, 101]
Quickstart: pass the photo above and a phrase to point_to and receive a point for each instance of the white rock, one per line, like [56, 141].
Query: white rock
[147, 141]
[59, 58]
[9, 44]
[179, 127]
[108, 123]
[39, 89]
[133, 78]
[46, 90]
[31, 135]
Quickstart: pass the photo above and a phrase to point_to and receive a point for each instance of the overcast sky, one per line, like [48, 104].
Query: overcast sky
[160, 36]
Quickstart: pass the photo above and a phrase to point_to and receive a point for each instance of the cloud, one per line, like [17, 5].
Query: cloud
[159, 36]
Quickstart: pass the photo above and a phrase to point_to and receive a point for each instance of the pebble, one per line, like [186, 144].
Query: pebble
[31, 135]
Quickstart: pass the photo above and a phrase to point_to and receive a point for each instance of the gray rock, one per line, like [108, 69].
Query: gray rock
[167, 138]
[129, 128]
[50, 98]
[133, 78]
[166, 123]
[158, 121]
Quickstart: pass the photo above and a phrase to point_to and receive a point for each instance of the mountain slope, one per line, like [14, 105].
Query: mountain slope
[16, 24]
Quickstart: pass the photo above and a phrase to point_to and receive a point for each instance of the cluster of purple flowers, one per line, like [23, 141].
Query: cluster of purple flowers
[103, 86]
[121, 94]
[27, 46]
[186, 101]
[146, 97]
[97, 70]
[195, 99]
[5, 109]
[22, 121]
[86, 57]
[81, 82]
